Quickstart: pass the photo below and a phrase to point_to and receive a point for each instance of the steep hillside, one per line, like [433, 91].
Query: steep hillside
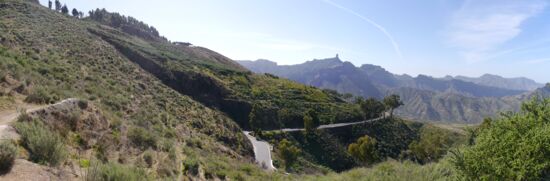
[46, 56]
[159, 100]
[226, 86]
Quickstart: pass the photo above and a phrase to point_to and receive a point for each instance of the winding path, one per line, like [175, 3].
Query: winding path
[262, 152]
[262, 149]
[7, 117]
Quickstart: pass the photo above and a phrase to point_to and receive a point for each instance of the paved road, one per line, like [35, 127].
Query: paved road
[262, 149]
[262, 152]
[326, 126]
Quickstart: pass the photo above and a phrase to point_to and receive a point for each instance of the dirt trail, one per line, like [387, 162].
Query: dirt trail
[9, 116]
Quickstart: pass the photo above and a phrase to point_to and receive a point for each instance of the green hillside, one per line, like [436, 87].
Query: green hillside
[112, 99]
[157, 96]
[47, 56]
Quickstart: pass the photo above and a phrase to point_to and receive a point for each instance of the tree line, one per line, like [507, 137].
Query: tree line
[64, 9]
[127, 24]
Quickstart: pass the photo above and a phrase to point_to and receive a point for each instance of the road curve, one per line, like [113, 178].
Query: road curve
[262, 149]
[262, 152]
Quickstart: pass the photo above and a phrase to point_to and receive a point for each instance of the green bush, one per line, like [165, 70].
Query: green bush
[288, 152]
[191, 165]
[44, 145]
[142, 138]
[41, 96]
[8, 152]
[115, 172]
[364, 149]
[515, 147]
[432, 145]
[148, 158]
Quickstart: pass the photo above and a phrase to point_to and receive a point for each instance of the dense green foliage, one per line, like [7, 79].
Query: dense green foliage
[392, 102]
[311, 121]
[371, 107]
[514, 147]
[288, 153]
[364, 149]
[45, 146]
[432, 144]
[8, 152]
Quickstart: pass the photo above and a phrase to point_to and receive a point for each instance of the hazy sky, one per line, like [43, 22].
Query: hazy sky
[434, 37]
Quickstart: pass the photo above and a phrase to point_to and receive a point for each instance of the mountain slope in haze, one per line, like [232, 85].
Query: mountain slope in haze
[330, 73]
[426, 98]
[519, 83]
[373, 75]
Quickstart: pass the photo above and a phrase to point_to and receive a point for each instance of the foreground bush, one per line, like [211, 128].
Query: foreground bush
[114, 172]
[393, 170]
[45, 146]
[142, 138]
[8, 152]
[364, 149]
[41, 96]
[516, 147]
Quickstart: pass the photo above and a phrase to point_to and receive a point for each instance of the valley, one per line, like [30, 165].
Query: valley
[449, 100]
[103, 96]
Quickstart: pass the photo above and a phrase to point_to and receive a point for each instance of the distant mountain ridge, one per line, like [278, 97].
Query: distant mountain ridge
[460, 99]
[519, 83]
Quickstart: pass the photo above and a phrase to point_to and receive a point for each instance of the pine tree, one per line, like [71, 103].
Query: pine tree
[49, 4]
[75, 12]
[65, 10]
[57, 5]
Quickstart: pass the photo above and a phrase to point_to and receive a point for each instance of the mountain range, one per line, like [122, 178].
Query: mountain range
[449, 99]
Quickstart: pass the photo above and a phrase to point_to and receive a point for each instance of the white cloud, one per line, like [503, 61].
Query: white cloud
[371, 22]
[479, 27]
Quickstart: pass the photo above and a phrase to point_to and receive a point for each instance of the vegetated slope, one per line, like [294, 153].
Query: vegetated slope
[437, 107]
[329, 147]
[47, 56]
[519, 83]
[426, 98]
[226, 86]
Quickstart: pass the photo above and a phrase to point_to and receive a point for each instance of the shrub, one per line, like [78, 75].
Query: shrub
[191, 165]
[516, 147]
[115, 172]
[142, 138]
[41, 96]
[44, 145]
[364, 149]
[148, 158]
[8, 152]
[288, 152]
[84, 163]
[432, 145]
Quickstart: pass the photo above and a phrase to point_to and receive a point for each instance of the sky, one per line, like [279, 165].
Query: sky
[510, 38]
